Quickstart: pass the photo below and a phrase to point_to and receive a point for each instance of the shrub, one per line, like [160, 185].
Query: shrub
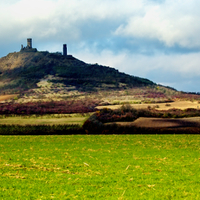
[126, 108]
[52, 107]
[93, 124]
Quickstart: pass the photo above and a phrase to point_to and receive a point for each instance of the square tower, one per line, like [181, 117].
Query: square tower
[64, 50]
[29, 43]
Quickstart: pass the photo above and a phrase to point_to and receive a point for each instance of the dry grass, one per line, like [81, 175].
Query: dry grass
[45, 120]
[160, 106]
[7, 97]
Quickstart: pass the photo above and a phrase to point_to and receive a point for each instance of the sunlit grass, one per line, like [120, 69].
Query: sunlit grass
[100, 167]
[53, 119]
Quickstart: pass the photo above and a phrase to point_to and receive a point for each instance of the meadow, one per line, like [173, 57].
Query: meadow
[52, 119]
[100, 167]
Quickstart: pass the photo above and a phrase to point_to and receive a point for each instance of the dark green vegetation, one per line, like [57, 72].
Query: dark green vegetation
[100, 167]
[22, 70]
[56, 129]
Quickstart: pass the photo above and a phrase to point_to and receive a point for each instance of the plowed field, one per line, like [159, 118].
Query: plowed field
[163, 123]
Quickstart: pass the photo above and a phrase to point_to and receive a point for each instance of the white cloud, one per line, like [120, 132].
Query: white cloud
[53, 16]
[173, 22]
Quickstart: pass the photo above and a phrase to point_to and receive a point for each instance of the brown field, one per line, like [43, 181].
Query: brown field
[160, 106]
[157, 122]
[6, 97]
[146, 122]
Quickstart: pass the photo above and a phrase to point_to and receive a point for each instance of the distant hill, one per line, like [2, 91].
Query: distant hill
[21, 71]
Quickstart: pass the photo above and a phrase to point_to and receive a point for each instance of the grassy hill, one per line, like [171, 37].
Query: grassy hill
[21, 71]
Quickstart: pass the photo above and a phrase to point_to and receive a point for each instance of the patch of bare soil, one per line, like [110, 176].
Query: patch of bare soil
[146, 122]
[6, 97]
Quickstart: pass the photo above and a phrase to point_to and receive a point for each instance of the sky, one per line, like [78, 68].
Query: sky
[154, 39]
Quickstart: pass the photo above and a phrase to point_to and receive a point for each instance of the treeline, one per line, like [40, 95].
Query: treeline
[52, 107]
[41, 129]
[77, 130]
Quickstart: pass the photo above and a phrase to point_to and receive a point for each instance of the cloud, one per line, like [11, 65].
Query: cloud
[172, 22]
[169, 22]
[47, 18]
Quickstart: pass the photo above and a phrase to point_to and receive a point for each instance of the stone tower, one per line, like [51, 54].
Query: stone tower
[64, 50]
[29, 47]
[29, 43]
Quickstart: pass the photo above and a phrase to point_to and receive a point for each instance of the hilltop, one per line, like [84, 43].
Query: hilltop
[21, 71]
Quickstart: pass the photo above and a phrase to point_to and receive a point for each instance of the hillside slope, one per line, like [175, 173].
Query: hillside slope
[21, 71]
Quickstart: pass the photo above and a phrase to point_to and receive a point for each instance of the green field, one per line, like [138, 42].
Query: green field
[100, 167]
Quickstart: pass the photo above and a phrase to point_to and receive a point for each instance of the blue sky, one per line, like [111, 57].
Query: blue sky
[154, 39]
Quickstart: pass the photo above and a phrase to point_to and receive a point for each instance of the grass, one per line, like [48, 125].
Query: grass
[100, 167]
[53, 119]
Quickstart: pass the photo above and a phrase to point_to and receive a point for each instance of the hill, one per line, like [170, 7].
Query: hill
[22, 71]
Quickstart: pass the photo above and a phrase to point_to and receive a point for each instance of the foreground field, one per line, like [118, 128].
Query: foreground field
[100, 167]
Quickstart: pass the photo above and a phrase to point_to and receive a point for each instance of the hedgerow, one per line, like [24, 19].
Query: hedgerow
[41, 129]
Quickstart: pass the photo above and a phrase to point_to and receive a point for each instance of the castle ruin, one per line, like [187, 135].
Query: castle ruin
[29, 47]
[29, 43]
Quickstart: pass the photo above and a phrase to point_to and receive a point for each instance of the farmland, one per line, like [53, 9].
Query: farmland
[100, 167]
[53, 119]
[160, 106]
[69, 149]
[53, 116]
